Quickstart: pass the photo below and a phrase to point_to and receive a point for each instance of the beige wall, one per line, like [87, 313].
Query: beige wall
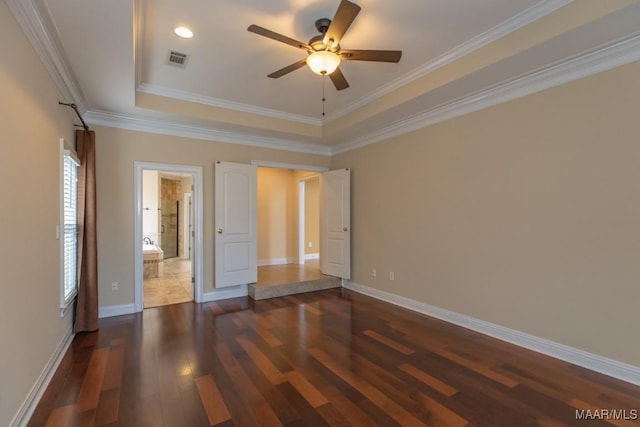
[525, 214]
[275, 223]
[116, 151]
[278, 211]
[31, 123]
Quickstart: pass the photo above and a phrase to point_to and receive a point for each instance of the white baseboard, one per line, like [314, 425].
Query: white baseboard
[311, 256]
[232, 292]
[603, 365]
[25, 412]
[116, 310]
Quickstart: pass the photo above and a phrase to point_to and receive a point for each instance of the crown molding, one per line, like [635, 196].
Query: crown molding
[35, 20]
[130, 122]
[512, 24]
[592, 62]
[222, 103]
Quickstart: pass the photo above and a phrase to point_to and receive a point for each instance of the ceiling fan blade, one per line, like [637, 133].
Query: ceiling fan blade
[371, 55]
[279, 37]
[288, 69]
[338, 79]
[341, 22]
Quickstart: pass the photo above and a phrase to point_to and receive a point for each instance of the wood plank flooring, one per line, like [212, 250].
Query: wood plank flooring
[333, 357]
[269, 275]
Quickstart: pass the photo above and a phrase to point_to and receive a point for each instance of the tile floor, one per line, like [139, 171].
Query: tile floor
[172, 286]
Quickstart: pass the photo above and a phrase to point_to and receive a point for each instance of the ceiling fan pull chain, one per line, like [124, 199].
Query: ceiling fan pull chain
[323, 98]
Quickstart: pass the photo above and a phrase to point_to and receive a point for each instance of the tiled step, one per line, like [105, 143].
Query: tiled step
[258, 292]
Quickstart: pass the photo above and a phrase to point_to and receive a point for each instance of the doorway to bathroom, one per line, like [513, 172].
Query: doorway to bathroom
[168, 214]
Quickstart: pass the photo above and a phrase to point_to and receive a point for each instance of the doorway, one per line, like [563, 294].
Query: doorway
[287, 225]
[238, 234]
[168, 235]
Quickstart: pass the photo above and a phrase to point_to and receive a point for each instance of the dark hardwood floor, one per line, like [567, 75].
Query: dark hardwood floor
[325, 358]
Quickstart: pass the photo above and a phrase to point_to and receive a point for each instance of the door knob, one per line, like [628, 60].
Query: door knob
[345, 229]
[219, 230]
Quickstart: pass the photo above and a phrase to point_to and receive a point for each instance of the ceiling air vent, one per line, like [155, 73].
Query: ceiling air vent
[177, 58]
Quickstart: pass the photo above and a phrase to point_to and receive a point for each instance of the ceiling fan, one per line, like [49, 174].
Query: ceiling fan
[324, 51]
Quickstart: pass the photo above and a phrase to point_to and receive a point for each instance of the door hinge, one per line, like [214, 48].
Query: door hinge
[193, 280]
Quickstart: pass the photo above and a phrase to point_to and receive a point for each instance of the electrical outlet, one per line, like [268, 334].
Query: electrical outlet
[310, 244]
[115, 286]
[392, 276]
[373, 272]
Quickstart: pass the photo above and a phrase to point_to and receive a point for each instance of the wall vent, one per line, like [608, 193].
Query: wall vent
[177, 58]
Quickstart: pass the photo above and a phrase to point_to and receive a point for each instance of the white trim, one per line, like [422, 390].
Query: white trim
[603, 365]
[512, 24]
[198, 224]
[312, 256]
[35, 394]
[164, 127]
[35, 20]
[116, 310]
[273, 261]
[299, 167]
[232, 292]
[222, 103]
[605, 58]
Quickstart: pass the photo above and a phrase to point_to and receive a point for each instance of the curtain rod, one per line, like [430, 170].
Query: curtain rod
[75, 108]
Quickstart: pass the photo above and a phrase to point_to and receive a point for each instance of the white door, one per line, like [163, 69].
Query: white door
[335, 223]
[235, 224]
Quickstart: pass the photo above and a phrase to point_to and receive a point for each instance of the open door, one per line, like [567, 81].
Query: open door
[335, 220]
[235, 221]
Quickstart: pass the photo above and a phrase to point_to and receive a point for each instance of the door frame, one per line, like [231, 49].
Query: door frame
[187, 226]
[197, 199]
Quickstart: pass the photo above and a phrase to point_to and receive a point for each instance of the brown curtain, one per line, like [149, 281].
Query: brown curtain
[86, 318]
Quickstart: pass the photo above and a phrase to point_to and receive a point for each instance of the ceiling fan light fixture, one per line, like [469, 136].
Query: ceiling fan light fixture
[323, 62]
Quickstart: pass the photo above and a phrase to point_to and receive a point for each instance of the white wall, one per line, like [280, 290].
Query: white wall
[150, 213]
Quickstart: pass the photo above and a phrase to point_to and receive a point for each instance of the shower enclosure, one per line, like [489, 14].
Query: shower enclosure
[170, 217]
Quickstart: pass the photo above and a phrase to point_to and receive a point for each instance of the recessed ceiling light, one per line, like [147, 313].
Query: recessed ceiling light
[183, 32]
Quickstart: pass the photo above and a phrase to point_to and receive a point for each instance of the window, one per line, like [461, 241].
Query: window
[69, 232]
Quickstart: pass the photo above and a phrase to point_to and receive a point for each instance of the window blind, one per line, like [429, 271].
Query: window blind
[70, 227]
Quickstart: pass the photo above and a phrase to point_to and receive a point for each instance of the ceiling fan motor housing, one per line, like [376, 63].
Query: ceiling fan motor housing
[322, 25]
